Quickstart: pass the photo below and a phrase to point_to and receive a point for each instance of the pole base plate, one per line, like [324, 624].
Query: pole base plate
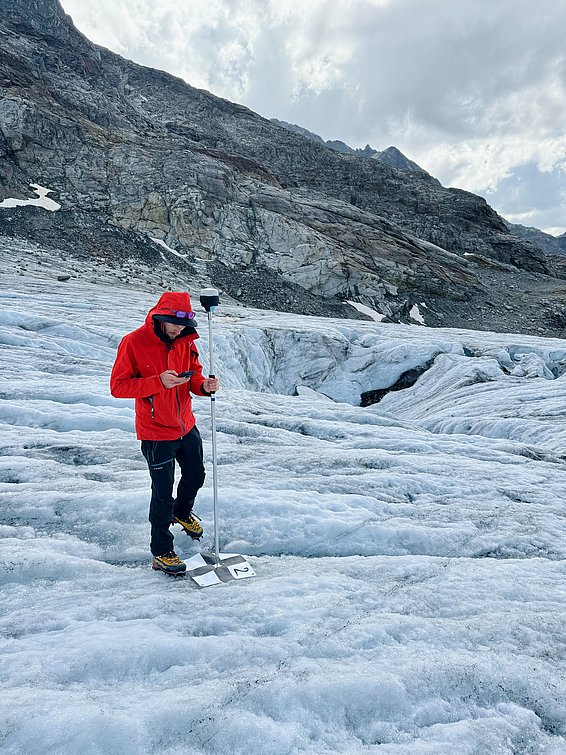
[205, 570]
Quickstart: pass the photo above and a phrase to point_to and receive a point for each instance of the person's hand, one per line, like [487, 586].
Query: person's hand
[211, 384]
[170, 379]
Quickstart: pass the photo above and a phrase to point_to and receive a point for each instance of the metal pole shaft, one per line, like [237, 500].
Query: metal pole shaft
[214, 466]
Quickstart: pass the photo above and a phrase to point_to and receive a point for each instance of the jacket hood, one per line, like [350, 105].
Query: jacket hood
[166, 310]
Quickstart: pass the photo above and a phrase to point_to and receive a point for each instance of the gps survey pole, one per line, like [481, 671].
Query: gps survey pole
[210, 299]
[215, 568]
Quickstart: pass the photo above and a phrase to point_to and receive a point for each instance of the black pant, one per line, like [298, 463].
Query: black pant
[160, 456]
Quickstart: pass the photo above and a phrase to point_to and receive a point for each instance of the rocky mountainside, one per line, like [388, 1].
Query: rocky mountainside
[335, 144]
[390, 156]
[549, 244]
[249, 204]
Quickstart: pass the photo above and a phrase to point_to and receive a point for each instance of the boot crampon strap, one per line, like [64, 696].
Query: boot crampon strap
[191, 525]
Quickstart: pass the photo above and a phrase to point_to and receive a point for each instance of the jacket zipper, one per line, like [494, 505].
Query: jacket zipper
[179, 412]
[181, 423]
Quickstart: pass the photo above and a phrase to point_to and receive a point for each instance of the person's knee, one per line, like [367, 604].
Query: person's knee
[161, 516]
[200, 477]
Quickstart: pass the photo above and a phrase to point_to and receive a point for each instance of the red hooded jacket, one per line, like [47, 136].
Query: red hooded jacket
[161, 413]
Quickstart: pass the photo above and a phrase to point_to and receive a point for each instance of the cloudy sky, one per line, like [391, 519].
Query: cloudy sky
[472, 90]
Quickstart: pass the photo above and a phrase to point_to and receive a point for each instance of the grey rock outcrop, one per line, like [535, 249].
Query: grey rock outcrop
[549, 244]
[390, 156]
[148, 153]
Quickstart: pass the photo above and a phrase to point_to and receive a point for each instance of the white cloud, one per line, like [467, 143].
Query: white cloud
[470, 90]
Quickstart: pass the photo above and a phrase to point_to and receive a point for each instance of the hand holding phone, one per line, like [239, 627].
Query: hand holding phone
[186, 374]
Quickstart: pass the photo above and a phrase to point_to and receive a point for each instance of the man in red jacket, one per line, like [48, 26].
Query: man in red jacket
[149, 367]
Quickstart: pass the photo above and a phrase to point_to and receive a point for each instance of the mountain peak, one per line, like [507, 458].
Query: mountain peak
[396, 159]
[44, 16]
[391, 156]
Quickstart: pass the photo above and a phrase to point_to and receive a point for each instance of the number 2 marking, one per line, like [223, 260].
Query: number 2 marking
[241, 571]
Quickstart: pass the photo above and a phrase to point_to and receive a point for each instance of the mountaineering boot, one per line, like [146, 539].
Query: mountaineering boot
[191, 524]
[170, 563]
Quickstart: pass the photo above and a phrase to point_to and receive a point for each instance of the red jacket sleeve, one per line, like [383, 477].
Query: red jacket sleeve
[125, 380]
[198, 378]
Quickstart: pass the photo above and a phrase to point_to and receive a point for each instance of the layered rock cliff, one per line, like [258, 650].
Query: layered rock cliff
[146, 152]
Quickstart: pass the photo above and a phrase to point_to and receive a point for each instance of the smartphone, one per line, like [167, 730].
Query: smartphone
[188, 373]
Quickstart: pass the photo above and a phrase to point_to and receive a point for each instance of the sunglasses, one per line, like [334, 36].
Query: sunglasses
[180, 313]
